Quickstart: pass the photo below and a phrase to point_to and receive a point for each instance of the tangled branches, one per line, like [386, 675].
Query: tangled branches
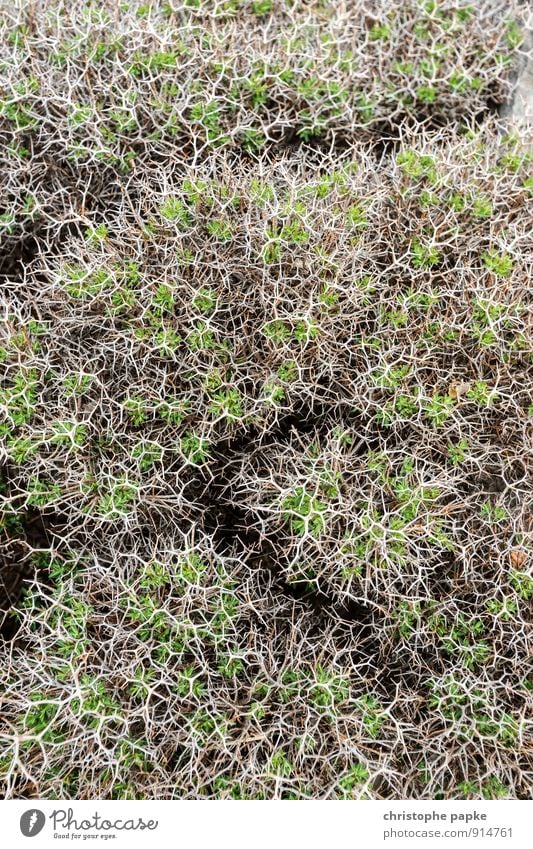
[266, 503]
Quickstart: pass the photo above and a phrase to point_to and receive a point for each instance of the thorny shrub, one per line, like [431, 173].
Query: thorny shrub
[266, 402]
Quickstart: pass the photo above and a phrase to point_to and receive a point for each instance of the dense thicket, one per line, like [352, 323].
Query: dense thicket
[266, 395]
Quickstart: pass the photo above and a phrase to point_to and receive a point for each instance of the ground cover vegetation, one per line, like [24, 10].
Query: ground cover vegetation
[266, 401]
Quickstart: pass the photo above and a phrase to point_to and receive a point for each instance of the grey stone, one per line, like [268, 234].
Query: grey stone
[519, 109]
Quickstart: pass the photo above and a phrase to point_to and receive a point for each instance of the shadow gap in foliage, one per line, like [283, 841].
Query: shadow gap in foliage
[32, 532]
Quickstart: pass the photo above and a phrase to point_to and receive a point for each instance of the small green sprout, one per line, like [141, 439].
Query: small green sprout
[416, 165]
[137, 408]
[253, 140]
[294, 233]
[220, 229]
[261, 193]
[522, 584]
[408, 618]
[424, 256]
[195, 190]
[328, 690]
[201, 338]
[357, 217]
[514, 35]
[357, 774]
[227, 404]
[274, 394]
[96, 235]
[40, 718]
[163, 299]
[306, 330]
[504, 609]
[482, 207]
[21, 398]
[262, 7]
[390, 377]
[173, 209]
[194, 448]
[288, 371]
[147, 453]
[205, 300]
[67, 433]
[140, 687]
[77, 383]
[427, 93]
[373, 714]
[277, 331]
[328, 297]
[230, 666]
[493, 514]
[439, 409]
[155, 575]
[379, 32]
[189, 683]
[271, 251]
[494, 789]
[365, 107]
[481, 394]
[458, 453]
[40, 493]
[500, 264]
[173, 410]
[21, 448]
[167, 341]
[117, 501]
[305, 513]
[280, 764]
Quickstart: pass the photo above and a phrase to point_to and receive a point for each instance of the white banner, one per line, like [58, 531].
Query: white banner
[272, 825]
